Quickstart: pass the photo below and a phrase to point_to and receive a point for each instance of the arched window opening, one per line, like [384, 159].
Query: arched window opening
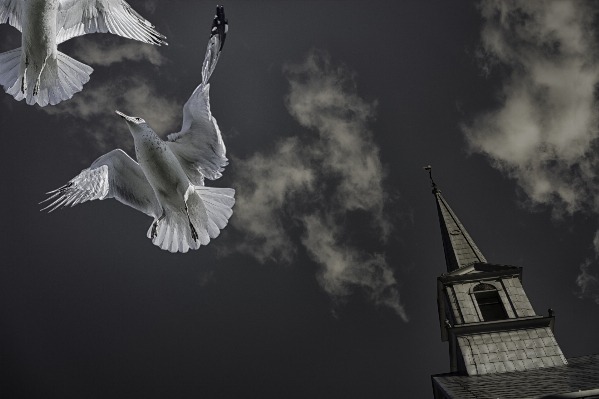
[489, 302]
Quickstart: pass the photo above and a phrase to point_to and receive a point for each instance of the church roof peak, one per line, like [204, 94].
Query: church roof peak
[460, 249]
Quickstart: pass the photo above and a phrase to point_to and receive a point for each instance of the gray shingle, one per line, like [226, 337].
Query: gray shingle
[540, 352]
[529, 343]
[557, 360]
[514, 335]
[500, 367]
[530, 353]
[509, 366]
[528, 364]
[547, 361]
[480, 368]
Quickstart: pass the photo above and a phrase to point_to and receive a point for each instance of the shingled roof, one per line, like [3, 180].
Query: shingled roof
[578, 379]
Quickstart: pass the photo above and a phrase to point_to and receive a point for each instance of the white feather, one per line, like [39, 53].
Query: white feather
[78, 17]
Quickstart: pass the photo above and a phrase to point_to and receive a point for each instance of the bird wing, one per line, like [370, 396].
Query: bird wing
[113, 175]
[199, 146]
[78, 17]
[12, 11]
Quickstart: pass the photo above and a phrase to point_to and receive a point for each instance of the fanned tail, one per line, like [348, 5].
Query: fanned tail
[60, 79]
[209, 211]
[218, 203]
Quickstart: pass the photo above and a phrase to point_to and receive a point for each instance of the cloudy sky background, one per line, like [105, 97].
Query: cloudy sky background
[323, 284]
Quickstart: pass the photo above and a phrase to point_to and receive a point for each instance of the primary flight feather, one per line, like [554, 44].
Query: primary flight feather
[167, 181]
[37, 71]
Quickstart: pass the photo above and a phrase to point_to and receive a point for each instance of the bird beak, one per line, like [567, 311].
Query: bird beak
[127, 118]
[122, 115]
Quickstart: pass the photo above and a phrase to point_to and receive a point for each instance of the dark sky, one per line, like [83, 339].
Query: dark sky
[90, 308]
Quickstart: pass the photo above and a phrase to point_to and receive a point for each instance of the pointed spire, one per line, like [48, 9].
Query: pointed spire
[460, 249]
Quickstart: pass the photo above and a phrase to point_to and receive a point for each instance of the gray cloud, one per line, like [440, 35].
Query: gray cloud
[92, 114]
[587, 282]
[588, 279]
[544, 134]
[266, 186]
[106, 50]
[345, 267]
[311, 184]
[325, 98]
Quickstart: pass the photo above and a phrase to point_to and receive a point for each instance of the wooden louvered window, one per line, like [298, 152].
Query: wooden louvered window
[489, 302]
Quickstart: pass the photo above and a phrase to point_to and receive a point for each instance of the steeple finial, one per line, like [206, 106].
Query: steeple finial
[430, 175]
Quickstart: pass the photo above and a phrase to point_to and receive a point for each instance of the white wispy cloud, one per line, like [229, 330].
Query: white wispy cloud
[91, 112]
[265, 186]
[299, 196]
[588, 279]
[588, 282]
[105, 50]
[325, 98]
[345, 267]
[545, 132]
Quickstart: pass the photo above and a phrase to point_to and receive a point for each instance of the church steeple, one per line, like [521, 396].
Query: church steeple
[484, 312]
[460, 249]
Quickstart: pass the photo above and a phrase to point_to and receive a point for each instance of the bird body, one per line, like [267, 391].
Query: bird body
[167, 181]
[38, 39]
[37, 71]
[160, 166]
[39, 27]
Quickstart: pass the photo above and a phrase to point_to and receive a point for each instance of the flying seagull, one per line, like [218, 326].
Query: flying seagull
[37, 71]
[168, 181]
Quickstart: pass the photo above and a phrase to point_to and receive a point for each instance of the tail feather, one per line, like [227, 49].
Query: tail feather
[209, 211]
[10, 62]
[218, 203]
[60, 79]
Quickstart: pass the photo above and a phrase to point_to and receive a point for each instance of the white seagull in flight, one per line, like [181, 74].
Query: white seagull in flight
[40, 73]
[168, 181]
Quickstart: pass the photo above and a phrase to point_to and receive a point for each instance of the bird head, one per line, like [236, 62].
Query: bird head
[135, 124]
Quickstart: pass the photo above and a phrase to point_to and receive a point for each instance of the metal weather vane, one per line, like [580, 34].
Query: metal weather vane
[430, 175]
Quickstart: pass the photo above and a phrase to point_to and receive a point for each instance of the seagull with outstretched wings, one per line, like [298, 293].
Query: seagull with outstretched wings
[167, 181]
[37, 71]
